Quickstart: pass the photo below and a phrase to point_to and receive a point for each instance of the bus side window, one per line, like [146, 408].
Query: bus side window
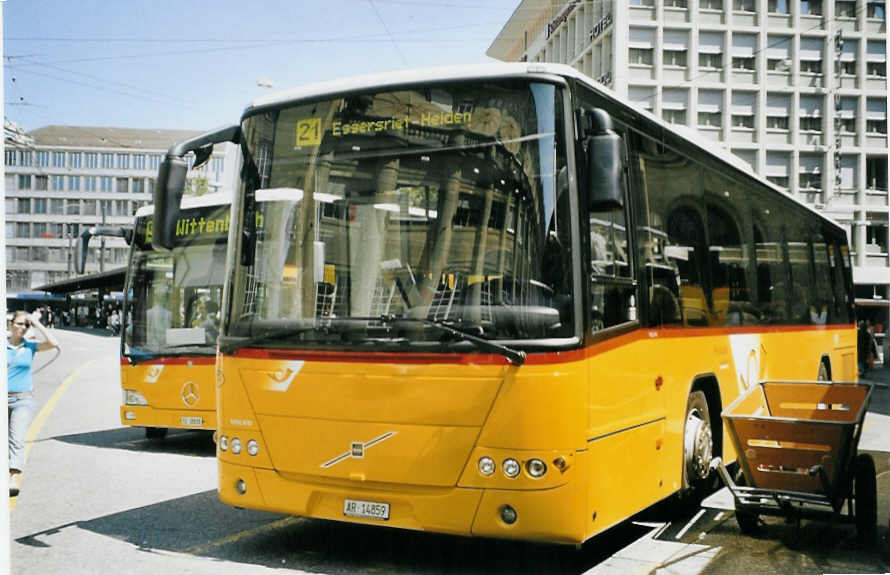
[612, 287]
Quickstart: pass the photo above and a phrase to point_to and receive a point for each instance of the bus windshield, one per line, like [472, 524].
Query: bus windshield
[173, 297]
[377, 217]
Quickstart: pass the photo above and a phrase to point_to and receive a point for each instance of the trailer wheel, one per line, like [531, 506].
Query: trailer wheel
[698, 444]
[155, 432]
[865, 498]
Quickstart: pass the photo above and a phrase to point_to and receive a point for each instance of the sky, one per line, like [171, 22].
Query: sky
[196, 64]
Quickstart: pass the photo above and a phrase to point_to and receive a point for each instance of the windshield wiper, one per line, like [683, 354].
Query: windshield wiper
[229, 344]
[514, 356]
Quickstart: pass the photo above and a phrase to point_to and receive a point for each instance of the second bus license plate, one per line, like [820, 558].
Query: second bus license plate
[366, 509]
[191, 420]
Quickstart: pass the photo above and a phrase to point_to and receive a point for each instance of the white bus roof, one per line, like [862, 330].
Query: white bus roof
[214, 199]
[385, 80]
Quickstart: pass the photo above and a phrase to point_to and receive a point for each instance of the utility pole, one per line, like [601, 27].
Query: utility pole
[836, 84]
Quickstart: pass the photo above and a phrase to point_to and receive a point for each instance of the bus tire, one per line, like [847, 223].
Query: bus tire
[865, 499]
[155, 433]
[698, 444]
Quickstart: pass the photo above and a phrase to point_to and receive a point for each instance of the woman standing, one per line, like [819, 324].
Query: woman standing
[19, 359]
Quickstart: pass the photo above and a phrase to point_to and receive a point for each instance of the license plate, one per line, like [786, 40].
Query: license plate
[191, 420]
[366, 509]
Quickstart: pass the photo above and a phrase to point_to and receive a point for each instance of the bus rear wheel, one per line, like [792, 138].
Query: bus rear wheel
[698, 444]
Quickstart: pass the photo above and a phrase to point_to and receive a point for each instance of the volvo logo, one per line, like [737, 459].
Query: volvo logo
[357, 449]
[190, 394]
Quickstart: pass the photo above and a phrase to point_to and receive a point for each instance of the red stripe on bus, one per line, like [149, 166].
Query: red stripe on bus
[542, 358]
[179, 360]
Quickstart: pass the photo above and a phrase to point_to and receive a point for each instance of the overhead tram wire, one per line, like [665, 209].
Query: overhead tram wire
[388, 33]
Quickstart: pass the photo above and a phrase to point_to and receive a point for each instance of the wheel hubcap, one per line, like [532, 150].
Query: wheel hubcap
[697, 446]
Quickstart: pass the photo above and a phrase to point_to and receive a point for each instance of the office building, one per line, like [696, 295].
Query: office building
[61, 180]
[797, 89]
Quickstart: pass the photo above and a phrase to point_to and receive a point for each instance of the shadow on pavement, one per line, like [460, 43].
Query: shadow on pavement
[177, 441]
[201, 525]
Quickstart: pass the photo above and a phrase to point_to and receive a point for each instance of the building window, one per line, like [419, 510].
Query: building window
[810, 66]
[848, 68]
[811, 7]
[122, 187]
[23, 206]
[24, 182]
[876, 10]
[58, 159]
[744, 5]
[74, 159]
[57, 183]
[847, 125]
[57, 206]
[43, 159]
[72, 207]
[41, 183]
[123, 161]
[876, 126]
[675, 58]
[743, 121]
[710, 119]
[646, 3]
[640, 56]
[138, 186]
[107, 161]
[92, 160]
[139, 162]
[39, 230]
[89, 208]
[22, 230]
[89, 183]
[876, 69]
[154, 162]
[39, 205]
[676, 4]
[674, 116]
[711, 4]
[777, 123]
[810, 181]
[105, 184]
[778, 6]
[844, 9]
[74, 183]
[26, 158]
[811, 124]
[781, 181]
[743, 63]
[710, 61]
[11, 156]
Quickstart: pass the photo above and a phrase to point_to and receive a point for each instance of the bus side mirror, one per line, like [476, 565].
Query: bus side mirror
[605, 163]
[167, 195]
[83, 243]
[172, 179]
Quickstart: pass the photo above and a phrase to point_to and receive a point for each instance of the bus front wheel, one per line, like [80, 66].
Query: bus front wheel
[698, 443]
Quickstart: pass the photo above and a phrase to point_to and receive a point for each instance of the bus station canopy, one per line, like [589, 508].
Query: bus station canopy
[112, 280]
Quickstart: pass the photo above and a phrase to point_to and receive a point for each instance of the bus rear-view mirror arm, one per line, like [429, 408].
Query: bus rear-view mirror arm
[172, 179]
[83, 241]
[605, 162]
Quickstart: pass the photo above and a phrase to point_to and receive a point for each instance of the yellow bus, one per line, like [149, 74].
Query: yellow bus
[499, 301]
[170, 320]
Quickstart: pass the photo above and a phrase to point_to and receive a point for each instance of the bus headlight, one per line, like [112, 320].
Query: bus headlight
[132, 397]
[235, 445]
[486, 466]
[536, 468]
[223, 443]
[511, 467]
[253, 447]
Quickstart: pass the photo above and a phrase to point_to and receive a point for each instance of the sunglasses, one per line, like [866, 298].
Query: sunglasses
[22, 323]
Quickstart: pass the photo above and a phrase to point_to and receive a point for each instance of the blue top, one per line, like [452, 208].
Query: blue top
[18, 365]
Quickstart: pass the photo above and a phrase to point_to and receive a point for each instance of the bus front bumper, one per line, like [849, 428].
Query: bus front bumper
[552, 515]
[148, 416]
